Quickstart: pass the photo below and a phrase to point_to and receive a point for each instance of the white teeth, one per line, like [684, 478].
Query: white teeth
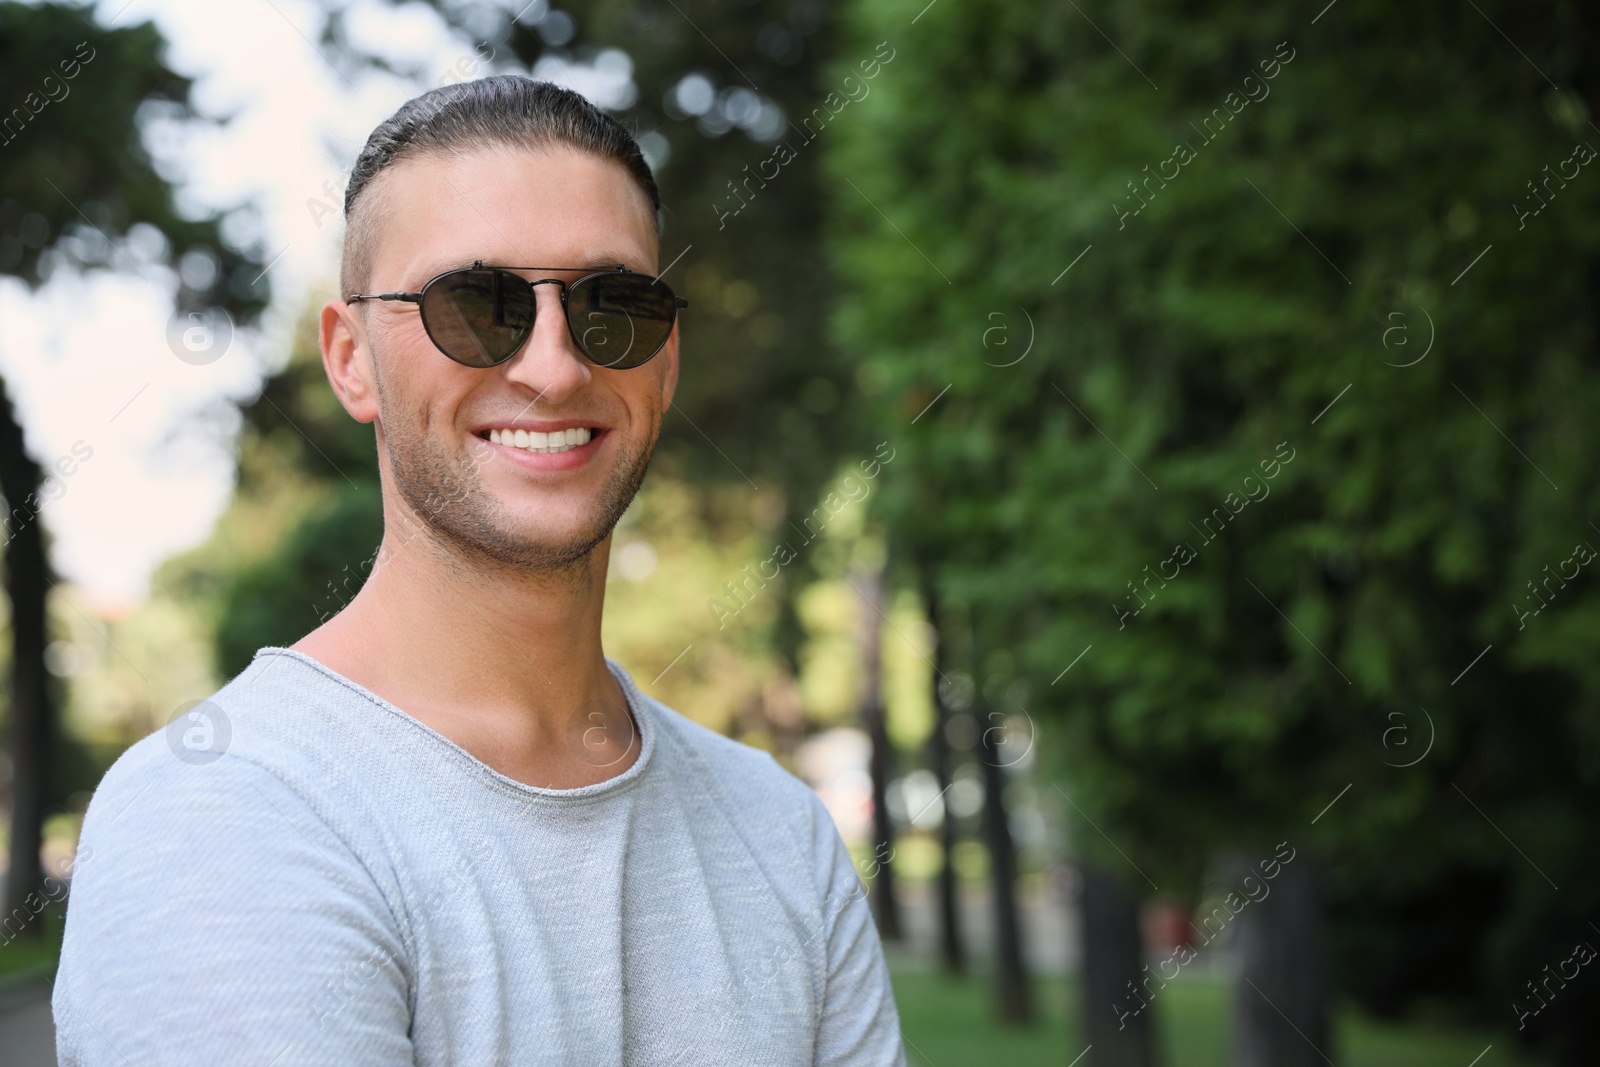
[544, 443]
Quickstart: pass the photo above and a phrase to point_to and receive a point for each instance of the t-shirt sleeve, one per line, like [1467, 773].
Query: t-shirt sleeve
[860, 1025]
[215, 918]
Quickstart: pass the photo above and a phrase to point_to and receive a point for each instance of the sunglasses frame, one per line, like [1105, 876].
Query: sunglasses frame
[577, 342]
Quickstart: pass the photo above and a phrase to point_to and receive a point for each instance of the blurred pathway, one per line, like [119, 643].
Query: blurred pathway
[27, 1032]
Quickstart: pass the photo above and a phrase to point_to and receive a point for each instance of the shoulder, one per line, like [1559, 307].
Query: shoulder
[168, 812]
[210, 898]
[258, 768]
[750, 776]
[190, 767]
[776, 813]
[282, 715]
[211, 824]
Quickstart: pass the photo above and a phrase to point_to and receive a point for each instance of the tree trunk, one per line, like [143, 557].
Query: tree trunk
[1011, 974]
[1117, 1013]
[884, 906]
[32, 716]
[952, 953]
[1280, 1002]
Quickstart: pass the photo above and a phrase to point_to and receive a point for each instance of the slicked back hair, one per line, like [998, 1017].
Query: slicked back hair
[500, 111]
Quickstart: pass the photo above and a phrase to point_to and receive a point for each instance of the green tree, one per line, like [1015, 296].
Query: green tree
[1280, 540]
[80, 191]
[300, 446]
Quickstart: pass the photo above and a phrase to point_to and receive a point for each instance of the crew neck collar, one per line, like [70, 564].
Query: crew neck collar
[637, 706]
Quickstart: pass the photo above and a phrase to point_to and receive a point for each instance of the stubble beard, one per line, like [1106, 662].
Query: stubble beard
[445, 490]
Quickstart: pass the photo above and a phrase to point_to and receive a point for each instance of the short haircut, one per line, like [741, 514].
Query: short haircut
[500, 111]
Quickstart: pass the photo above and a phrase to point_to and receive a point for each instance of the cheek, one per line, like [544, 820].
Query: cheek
[652, 406]
[402, 348]
[635, 423]
[420, 389]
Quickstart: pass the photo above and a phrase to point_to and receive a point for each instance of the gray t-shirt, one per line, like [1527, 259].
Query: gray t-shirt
[297, 872]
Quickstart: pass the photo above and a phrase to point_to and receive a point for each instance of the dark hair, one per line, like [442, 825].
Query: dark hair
[502, 110]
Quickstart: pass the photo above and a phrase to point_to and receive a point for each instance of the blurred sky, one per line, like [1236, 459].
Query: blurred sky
[87, 357]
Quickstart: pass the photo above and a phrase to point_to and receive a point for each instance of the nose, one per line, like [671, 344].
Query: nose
[549, 363]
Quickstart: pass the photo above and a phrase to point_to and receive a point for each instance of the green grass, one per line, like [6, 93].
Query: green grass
[950, 1022]
[24, 958]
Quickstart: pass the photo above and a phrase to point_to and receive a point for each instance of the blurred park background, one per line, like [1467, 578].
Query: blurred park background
[1123, 456]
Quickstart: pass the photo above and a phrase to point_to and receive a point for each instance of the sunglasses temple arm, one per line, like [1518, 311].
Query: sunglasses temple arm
[410, 298]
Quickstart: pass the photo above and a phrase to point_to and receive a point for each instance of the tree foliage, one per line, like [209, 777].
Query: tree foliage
[79, 185]
[79, 189]
[1280, 537]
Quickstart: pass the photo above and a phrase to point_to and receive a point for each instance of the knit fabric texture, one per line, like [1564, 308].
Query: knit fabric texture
[320, 878]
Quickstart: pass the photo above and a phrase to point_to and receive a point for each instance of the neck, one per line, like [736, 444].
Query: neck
[505, 662]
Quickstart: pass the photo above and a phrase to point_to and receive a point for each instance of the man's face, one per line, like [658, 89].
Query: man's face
[499, 502]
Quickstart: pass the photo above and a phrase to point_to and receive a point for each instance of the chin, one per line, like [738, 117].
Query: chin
[518, 548]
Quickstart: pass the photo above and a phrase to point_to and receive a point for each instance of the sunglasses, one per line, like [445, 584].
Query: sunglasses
[482, 316]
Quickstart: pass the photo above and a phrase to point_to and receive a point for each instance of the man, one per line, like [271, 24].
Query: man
[444, 828]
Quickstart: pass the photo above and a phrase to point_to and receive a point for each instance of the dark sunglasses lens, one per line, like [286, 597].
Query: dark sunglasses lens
[478, 317]
[621, 320]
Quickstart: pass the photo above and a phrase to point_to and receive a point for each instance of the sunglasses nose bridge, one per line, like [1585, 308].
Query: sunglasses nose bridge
[561, 294]
[561, 291]
[536, 361]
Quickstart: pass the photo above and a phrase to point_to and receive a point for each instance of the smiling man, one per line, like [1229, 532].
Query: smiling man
[445, 828]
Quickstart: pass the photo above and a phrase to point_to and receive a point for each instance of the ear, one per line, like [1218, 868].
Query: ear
[348, 360]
